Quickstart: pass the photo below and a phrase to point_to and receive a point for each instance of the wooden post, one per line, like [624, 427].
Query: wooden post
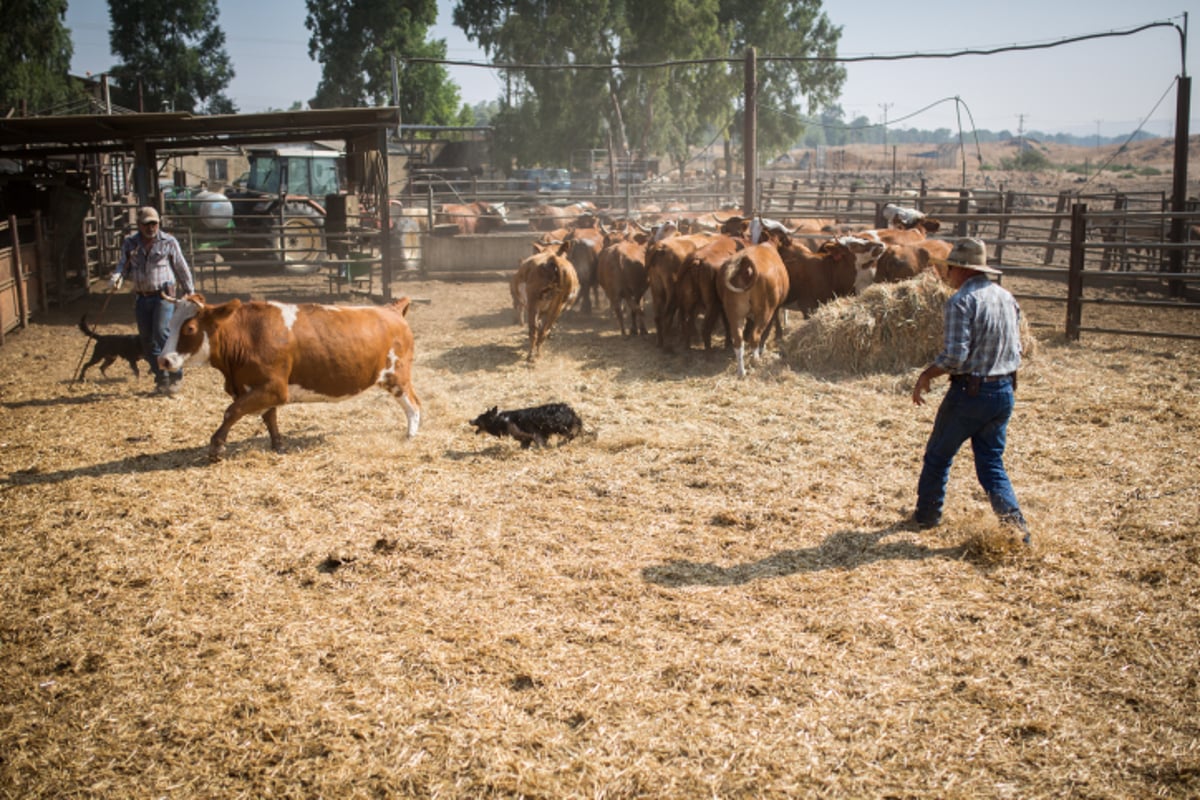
[385, 219]
[1179, 178]
[964, 208]
[750, 133]
[43, 257]
[18, 274]
[1075, 273]
[1006, 204]
[1059, 208]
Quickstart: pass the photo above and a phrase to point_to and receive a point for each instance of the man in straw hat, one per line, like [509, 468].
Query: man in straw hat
[981, 355]
[153, 261]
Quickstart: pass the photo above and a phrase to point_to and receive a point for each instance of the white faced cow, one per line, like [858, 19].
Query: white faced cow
[276, 353]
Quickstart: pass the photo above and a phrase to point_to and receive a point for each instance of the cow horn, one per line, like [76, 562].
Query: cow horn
[162, 294]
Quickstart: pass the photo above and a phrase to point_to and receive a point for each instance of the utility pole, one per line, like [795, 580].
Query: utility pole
[1021, 133]
[885, 107]
[1098, 133]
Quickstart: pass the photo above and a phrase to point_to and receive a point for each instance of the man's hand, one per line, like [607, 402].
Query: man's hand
[115, 280]
[921, 388]
[923, 380]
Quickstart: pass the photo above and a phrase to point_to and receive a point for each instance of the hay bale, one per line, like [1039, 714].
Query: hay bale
[891, 327]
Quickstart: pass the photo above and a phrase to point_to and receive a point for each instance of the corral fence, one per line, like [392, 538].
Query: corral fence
[1086, 252]
[1098, 250]
[1093, 250]
[25, 264]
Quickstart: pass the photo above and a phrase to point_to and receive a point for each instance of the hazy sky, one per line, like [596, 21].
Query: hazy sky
[1106, 86]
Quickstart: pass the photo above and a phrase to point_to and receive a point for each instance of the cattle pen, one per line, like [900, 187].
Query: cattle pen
[710, 592]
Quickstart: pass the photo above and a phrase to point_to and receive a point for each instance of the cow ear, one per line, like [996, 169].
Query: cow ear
[225, 310]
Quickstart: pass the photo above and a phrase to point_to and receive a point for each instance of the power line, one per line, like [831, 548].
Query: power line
[798, 59]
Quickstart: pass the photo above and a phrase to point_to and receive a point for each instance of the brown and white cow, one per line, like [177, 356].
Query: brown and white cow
[477, 217]
[752, 286]
[276, 353]
[838, 268]
[546, 284]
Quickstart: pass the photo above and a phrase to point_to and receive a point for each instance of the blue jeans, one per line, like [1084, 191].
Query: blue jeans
[983, 420]
[153, 315]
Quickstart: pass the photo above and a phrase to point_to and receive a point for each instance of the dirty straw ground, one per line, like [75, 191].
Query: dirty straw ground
[707, 595]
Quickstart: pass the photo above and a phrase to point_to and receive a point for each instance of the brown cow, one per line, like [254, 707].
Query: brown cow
[548, 284]
[900, 262]
[584, 253]
[622, 274]
[752, 286]
[477, 217]
[276, 353]
[518, 283]
[918, 232]
[548, 217]
[664, 260]
[696, 289]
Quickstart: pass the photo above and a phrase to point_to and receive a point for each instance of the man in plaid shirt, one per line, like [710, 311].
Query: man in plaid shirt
[154, 264]
[981, 355]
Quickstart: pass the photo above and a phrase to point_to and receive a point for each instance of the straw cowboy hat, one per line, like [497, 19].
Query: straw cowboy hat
[969, 254]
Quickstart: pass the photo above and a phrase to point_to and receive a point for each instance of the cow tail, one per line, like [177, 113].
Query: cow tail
[732, 268]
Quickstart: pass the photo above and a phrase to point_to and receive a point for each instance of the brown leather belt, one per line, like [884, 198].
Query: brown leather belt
[988, 379]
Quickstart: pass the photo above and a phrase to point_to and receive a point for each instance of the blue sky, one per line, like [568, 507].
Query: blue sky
[1107, 86]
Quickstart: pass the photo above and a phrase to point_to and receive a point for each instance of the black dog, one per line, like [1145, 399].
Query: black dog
[528, 425]
[110, 347]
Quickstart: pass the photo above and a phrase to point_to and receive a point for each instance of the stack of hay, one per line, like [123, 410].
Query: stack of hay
[891, 327]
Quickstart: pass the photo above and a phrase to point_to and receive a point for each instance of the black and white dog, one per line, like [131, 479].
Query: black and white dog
[110, 347]
[530, 425]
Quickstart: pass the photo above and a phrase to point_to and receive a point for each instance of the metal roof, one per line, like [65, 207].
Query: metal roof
[39, 137]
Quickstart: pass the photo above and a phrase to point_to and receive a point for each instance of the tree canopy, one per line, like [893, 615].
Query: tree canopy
[177, 51]
[35, 55]
[354, 40]
[549, 112]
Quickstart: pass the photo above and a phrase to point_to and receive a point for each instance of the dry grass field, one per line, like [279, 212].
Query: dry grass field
[709, 594]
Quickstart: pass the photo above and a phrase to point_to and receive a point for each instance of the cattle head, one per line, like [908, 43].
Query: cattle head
[187, 340]
[901, 218]
[863, 253]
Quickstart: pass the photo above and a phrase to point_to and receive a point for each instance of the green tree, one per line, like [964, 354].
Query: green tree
[176, 50]
[355, 40]
[35, 56]
[652, 110]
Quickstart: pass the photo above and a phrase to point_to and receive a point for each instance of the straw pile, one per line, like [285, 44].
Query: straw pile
[891, 327]
[709, 594]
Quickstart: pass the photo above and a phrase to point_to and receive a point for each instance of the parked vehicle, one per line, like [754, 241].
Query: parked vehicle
[540, 180]
[279, 214]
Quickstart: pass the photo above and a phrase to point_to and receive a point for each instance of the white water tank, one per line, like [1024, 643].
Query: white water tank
[214, 210]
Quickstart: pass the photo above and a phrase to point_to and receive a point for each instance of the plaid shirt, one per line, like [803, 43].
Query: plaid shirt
[982, 333]
[162, 265]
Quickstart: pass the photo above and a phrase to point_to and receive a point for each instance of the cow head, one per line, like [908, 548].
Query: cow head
[865, 254]
[187, 339]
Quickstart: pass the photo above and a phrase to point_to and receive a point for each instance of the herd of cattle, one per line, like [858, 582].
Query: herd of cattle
[742, 272]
